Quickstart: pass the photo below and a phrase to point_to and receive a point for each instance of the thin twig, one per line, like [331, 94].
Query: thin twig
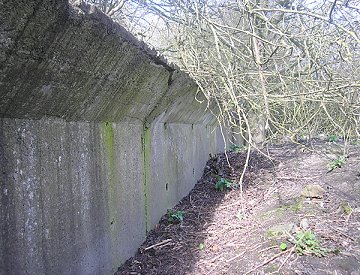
[348, 217]
[287, 257]
[266, 249]
[242, 253]
[158, 244]
[342, 233]
[235, 257]
[266, 262]
[298, 178]
[229, 205]
[215, 258]
[163, 245]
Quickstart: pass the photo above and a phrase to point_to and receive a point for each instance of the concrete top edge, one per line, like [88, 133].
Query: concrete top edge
[116, 29]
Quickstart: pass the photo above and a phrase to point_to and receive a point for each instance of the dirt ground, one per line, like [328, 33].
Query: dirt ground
[293, 201]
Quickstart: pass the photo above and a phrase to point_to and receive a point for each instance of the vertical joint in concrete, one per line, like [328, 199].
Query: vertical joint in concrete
[146, 144]
[108, 137]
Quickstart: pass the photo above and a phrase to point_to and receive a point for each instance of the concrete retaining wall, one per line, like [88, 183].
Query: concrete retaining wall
[98, 137]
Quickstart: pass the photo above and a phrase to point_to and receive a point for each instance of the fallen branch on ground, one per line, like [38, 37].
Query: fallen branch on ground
[158, 244]
[287, 257]
[266, 262]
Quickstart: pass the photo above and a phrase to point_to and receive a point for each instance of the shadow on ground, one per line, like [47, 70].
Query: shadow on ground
[173, 248]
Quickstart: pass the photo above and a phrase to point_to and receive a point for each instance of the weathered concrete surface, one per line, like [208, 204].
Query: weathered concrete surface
[177, 155]
[98, 137]
[74, 63]
[65, 207]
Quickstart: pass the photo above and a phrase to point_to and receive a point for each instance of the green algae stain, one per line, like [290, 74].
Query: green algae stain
[146, 143]
[108, 132]
[108, 138]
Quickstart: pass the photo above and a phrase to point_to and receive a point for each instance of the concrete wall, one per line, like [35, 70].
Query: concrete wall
[98, 137]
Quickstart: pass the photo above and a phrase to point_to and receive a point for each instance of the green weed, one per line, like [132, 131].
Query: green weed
[336, 163]
[307, 243]
[236, 148]
[283, 246]
[222, 184]
[175, 216]
[333, 138]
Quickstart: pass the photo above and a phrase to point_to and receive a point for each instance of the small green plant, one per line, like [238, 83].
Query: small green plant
[307, 243]
[175, 216]
[201, 246]
[336, 163]
[235, 148]
[222, 184]
[283, 246]
[333, 138]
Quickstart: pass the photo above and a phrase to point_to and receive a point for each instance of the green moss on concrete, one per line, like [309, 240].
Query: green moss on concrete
[146, 140]
[109, 140]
